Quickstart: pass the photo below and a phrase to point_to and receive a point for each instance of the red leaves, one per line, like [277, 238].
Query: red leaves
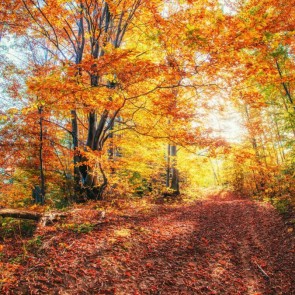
[149, 264]
[205, 241]
[208, 247]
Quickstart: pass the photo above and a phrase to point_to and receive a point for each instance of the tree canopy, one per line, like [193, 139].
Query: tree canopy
[120, 97]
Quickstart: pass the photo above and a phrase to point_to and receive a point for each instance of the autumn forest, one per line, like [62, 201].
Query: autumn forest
[147, 147]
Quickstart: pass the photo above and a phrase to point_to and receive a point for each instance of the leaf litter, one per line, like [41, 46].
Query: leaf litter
[221, 245]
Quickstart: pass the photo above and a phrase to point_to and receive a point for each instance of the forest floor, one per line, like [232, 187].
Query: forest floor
[220, 245]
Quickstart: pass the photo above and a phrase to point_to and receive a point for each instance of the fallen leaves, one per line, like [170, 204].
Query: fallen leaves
[209, 247]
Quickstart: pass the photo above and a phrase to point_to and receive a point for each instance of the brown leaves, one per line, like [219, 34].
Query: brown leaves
[210, 246]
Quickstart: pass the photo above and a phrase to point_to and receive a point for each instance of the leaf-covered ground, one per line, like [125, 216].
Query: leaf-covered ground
[221, 245]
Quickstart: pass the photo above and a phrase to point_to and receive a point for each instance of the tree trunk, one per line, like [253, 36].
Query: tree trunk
[90, 183]
[42, 176]
[285, 86]
[77, 185]
[174, 171]
[168, 167]
[216, 180]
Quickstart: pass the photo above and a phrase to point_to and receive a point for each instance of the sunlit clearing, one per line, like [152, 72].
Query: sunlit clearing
[227, 125]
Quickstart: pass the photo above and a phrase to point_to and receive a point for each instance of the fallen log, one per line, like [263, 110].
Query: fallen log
[48, 217]
[21, 214]
[43, 218]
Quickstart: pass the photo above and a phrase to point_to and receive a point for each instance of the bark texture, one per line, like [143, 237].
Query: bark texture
[14, 213]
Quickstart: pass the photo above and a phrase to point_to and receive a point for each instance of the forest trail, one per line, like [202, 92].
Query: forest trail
[221, 245]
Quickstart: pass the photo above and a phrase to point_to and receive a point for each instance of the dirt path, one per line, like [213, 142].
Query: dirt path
[223, 245]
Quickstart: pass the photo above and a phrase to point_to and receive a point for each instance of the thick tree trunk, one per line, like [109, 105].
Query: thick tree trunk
[90, 182]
